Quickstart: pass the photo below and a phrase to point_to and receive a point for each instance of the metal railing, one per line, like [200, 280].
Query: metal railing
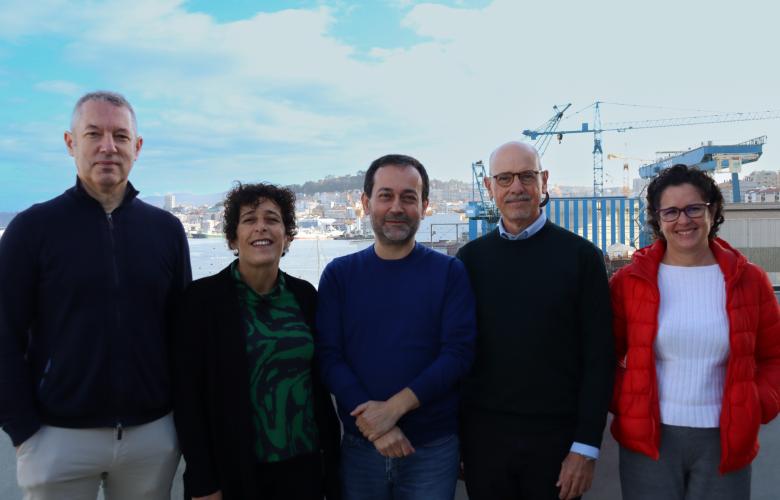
[605, 220]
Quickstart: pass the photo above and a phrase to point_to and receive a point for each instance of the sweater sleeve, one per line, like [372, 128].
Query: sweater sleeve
[598, 349]
[336, 372]
[18, 280]
[768, 349]
[189, 398]
[184, 271]
[458, 333]
[182, 277]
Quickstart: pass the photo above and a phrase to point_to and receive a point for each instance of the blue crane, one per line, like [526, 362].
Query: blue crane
[598, 129]
[712, 158]
[483, 207]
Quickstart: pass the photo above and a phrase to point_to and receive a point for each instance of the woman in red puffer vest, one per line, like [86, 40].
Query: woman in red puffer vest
[697, 335]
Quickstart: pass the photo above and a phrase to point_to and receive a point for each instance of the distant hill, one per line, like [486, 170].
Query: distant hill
[350, 182]
[194, 200]
[5, 218]
[329, 184]
[450, 184]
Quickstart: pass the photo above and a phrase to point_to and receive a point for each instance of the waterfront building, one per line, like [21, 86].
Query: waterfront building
[763, 195]
[764, 178]
[170, 202]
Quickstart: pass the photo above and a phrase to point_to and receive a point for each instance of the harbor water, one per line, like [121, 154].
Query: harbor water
[306, 259]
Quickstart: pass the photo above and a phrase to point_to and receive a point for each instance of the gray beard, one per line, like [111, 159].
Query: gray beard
[387, 237]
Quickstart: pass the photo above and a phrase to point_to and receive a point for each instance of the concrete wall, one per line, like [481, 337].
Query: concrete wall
[733, 211]
[758, 239]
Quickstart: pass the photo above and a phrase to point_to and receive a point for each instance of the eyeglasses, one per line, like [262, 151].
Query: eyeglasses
[693, 211]
[527, 178]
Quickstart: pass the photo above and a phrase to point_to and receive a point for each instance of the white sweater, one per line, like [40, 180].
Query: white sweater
[692, 345]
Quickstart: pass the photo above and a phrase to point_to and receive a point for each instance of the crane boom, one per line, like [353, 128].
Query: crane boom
[661, 123]
[549, 129]
[540, 135]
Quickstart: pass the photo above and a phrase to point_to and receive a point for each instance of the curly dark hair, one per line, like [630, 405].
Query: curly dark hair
[675, 176]
[252, 195]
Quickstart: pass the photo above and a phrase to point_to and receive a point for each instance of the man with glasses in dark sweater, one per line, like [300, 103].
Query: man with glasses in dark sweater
[535, 403]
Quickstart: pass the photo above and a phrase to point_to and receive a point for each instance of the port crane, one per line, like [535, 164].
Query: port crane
[626, 188]
[485, 208]
[597, 129]
[711, 158]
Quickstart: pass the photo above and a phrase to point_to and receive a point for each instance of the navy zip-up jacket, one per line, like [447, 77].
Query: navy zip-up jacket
[86, 299]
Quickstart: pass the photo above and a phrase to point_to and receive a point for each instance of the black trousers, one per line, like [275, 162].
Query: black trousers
[506, 461]
[299, 478]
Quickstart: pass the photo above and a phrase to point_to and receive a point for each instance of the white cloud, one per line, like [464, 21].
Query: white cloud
[65, 88]
[278, 90]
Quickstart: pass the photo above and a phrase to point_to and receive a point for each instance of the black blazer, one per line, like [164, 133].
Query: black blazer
[212, 411]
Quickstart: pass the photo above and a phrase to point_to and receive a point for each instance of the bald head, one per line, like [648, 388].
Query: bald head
[517, 184]
[513, 154]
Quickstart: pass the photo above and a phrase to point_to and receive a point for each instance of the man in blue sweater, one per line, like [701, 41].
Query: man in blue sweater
[88, 282]
[396, 333]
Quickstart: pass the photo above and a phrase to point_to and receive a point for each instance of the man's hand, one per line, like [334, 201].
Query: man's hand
[576, 476]
[213, 496]
[394, 444]
[375, 418]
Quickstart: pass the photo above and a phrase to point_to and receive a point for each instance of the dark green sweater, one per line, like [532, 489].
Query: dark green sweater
[545, 353]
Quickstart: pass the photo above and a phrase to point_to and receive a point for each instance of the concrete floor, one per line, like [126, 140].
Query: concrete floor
[766, 481]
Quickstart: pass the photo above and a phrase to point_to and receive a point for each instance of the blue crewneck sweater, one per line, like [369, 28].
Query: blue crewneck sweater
[389, 324]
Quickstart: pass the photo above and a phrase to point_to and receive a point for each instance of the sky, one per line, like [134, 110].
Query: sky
[289, 91]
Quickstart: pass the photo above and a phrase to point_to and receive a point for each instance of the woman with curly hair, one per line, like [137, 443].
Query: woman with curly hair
[253, 419]
[697, 332]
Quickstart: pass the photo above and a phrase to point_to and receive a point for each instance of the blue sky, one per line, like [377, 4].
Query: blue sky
[296, 90]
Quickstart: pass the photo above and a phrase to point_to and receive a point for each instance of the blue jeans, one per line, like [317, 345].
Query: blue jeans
[430, 473]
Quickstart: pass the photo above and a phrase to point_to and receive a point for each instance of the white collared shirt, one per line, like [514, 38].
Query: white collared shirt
[526, 233]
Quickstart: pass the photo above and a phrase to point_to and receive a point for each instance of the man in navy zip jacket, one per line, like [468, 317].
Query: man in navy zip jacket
[88, 282]
[396, 328]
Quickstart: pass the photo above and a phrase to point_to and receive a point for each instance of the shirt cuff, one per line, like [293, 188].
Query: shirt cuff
[584, 449]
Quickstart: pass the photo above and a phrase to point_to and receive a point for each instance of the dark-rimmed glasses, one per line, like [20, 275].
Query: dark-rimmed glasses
[693, 211]
[527, 178]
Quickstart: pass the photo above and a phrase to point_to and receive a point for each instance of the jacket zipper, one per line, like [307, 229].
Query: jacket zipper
[110, 219]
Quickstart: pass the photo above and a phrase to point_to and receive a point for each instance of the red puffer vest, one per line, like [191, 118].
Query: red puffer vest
[751, 394]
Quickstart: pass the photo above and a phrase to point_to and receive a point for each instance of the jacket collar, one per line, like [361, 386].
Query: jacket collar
[80, 193]
[647, 260]
[229, 296]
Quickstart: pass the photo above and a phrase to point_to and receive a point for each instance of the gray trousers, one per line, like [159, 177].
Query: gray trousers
[687, 469]
[70, 464]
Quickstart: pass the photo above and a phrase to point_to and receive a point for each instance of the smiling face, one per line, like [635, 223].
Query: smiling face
[517, 202]
[260, 235]
[104, 145]
[396, 205]
[686, 235]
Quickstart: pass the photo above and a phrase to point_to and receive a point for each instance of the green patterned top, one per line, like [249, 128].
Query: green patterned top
[279, 348]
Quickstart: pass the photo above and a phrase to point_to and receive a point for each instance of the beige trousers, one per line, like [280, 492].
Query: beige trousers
[58, 463]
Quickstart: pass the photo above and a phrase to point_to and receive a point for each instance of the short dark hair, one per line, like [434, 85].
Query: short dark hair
[396, 160]
[106, 96]
[675, 176]
[252, 195]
